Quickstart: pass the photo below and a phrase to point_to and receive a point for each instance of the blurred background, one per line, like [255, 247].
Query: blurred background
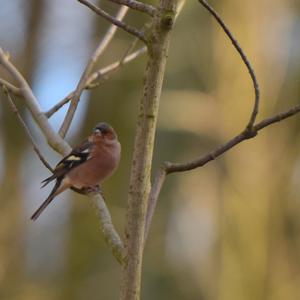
[230, 230]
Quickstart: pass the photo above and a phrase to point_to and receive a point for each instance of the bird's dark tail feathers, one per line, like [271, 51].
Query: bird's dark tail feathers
[41, 208]
[47, 201]
[47, 180]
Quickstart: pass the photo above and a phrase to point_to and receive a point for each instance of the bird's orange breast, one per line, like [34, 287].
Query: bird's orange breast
[104, 160]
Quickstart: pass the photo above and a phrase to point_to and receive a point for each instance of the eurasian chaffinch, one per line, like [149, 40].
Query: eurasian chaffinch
[88, 164]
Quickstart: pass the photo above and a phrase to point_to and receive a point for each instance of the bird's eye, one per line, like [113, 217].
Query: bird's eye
[104, 130]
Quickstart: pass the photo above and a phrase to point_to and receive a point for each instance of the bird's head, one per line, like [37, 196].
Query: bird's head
[103, 132]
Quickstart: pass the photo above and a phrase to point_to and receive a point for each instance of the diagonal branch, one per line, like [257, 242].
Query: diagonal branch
[244, 59]
[115, 21]
[277, 118]
[137, 5]
[27, 131]
[10, 87]
[32, 104]
[59, 105]
[111, 236]
[88, 69]
[101, 73]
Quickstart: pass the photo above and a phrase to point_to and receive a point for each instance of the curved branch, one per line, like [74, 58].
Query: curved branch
[244, 59]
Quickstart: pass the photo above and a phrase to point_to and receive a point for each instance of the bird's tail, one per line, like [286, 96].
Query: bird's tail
[41, 208]
[47, 180]
[53, 193]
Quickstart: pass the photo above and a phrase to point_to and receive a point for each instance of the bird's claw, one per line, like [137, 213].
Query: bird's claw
[93, 189]
[88, 190]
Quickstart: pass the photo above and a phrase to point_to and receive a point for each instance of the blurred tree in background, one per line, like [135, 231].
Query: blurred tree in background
[227, 231]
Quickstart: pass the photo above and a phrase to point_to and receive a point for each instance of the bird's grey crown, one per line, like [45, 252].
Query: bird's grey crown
[103, 127]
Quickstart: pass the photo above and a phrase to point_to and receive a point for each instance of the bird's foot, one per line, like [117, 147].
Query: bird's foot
[88, 190]
[93, 189]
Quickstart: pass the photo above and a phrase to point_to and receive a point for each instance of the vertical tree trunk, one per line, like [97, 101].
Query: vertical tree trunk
[142, 157]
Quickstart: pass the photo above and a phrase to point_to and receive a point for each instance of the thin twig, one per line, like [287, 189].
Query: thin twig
[101, 73]
[200, 162]
[59, 105]
[114, 21]
[246, 134]
[277, 118]
[110, 33]
[127, 57]
[12, 88]
[137, 5]
[244, 59]
[153, 197]
[130, 48]
[88, 69]
[27, 131]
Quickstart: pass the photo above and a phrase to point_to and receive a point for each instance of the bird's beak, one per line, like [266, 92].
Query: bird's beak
[98, 133]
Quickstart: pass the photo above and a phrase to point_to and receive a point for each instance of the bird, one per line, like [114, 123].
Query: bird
[86, 166]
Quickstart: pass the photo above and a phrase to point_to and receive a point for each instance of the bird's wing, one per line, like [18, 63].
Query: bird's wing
[76, 157]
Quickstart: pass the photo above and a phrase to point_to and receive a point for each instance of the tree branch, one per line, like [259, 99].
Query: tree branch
[84, 77]
[244, 59]
[111, 236]
[277, 118]
[27, 131]
[101, 73]
[10, 87]
[32, 104]
[137, 5]
[114, 21]
[59, 105]
[153, 197]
